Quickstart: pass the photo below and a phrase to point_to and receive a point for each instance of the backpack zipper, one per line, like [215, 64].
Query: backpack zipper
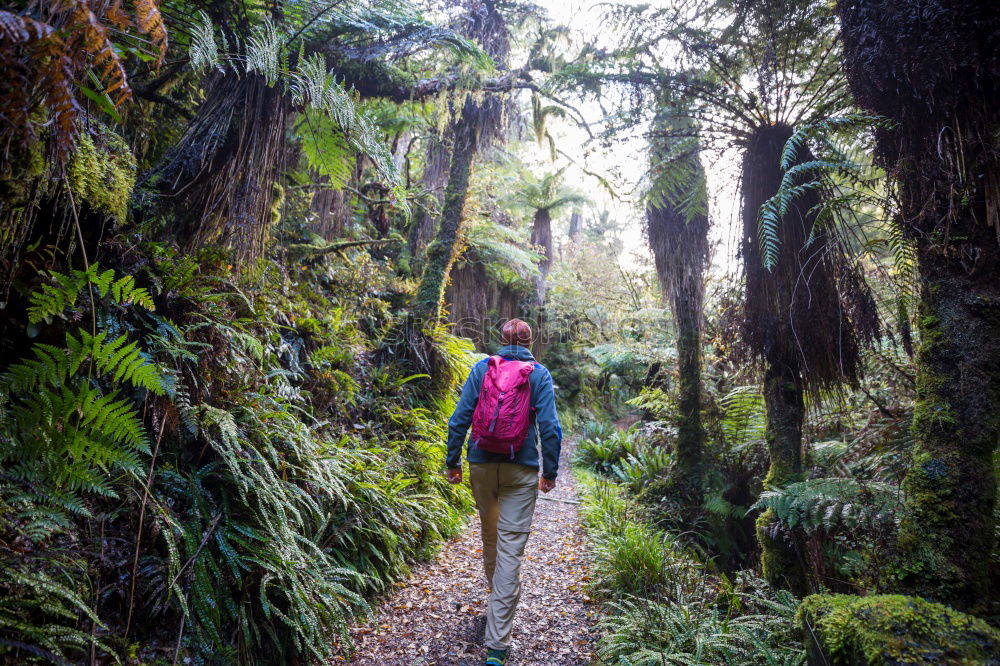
[496, 412]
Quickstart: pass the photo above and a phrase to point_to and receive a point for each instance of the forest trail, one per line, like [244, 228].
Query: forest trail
[438, 617]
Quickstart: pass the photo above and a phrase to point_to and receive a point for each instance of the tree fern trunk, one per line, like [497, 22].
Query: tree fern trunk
[468, 295]
[441, 253]
[680, 252]
[690, 433]
[541, 235]
[943, 155]
[780, 559]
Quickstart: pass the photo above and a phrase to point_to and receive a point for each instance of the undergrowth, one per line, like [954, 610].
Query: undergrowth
[212, 469]
[662, 605]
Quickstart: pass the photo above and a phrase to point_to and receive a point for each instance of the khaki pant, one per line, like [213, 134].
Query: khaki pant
[505, 496]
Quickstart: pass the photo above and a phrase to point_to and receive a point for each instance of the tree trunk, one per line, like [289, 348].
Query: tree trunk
[468, 297]
[441, 254]
[219, 180]
[943, 156]
[780, 559]
[332, 208]
[541, 235]
[433, 179]
[575, 228]
[680, 252]
[690, 433]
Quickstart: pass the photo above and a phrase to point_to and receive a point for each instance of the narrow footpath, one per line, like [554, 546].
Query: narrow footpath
[438, 617]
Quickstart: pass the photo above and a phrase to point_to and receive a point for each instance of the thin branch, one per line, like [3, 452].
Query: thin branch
[313, 251]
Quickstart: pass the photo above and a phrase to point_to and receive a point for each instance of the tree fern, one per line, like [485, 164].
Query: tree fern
[816, 174]
[504, 252]
[393, 27]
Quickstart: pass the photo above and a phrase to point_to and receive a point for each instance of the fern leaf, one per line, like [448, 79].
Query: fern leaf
[262, 51]
[150, 22]
[204, 51]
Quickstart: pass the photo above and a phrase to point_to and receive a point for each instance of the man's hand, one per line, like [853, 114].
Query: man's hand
[455, 475]
[545, 485]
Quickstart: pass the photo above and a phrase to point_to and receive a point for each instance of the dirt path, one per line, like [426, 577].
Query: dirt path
[438, 617]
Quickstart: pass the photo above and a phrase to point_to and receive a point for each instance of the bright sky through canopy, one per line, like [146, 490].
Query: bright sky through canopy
[624, 160]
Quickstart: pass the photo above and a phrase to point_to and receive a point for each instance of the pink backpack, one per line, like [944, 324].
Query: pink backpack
[503, 412]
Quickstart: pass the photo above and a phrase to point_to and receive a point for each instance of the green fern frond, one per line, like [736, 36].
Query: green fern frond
[326, 150]
[829, 504]
[824, 128]
[28, 593]
[204, 50]
[314, 86]
[263, 48]
[813, 174]
[744, 417]
[52, 300]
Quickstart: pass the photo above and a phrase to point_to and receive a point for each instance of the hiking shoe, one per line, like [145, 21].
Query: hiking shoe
[496, 657]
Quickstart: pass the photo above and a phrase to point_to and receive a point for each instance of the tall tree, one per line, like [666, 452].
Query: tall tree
[677, 229]
[933, 68]
[806, 315]
[479, 123]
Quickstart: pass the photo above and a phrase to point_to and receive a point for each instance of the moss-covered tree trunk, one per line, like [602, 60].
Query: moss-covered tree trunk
[443, 251]
[689, 453]
[947, 530]
[943, 155]
[783, 398]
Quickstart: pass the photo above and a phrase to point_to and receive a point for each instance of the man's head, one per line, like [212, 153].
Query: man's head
[515, 332]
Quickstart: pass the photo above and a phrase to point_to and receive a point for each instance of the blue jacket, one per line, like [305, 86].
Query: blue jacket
[544, 426]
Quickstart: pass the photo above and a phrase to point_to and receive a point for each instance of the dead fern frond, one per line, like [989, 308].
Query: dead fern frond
[91, 36]
[150, 21]
[20, 35]
[117, 16]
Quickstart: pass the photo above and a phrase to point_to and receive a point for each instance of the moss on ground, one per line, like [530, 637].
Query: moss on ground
[893, 630]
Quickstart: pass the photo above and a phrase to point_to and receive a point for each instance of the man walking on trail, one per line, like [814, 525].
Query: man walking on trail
[509, 402]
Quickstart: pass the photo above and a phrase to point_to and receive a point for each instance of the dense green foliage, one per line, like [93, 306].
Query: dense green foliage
[248, 254]
[662, 605]
[274, 445]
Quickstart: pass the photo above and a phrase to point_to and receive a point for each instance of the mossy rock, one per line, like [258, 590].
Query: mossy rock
[893, 630]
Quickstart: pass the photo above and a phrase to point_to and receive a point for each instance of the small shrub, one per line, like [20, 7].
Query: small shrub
[603, 447]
